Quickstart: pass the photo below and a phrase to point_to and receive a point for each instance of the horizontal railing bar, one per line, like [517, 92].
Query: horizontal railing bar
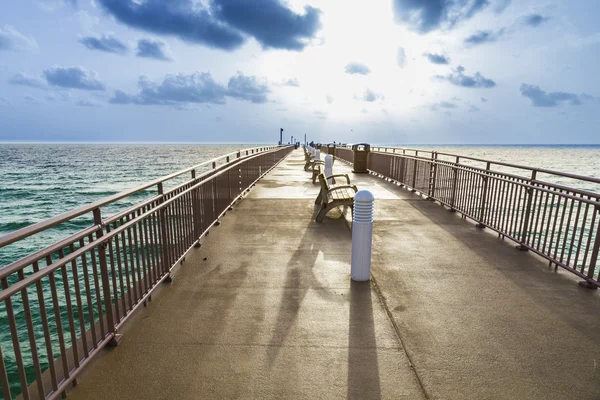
[16, 287]
[490, 173]
[540, 170]
[40, 226]
[38, 255]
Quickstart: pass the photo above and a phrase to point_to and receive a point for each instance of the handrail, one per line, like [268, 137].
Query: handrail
[558, 222]
[504, 164]
[43, 225]
[99, 275]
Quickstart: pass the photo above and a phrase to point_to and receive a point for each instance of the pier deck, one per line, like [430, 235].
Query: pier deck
[265, 309]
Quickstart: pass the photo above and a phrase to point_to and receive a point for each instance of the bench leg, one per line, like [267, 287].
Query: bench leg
[324, 210]
[315, 174]
[319, 199]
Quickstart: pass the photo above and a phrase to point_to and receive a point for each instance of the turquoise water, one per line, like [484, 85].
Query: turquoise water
[39, 181]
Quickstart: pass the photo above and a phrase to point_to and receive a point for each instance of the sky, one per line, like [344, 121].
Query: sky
[236, 71]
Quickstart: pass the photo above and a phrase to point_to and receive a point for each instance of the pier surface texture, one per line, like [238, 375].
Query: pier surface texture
[266, 309]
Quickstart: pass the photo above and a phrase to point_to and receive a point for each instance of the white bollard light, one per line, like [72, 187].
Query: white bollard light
[328, 169]
[362, 236]
[318, 155]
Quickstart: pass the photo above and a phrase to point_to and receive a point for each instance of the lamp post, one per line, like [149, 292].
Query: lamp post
[280, 136]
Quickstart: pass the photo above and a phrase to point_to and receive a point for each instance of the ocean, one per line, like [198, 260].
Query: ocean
[39, 181]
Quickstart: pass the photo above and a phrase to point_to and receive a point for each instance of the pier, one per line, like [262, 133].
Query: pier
[252, 298]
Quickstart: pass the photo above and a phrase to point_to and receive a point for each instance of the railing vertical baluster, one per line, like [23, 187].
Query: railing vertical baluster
[454, 180]
[10, 314]
[162, 218]
[432, 176]
[105, 279]
[4, 377]
[523, 245]
[484, 192]
[414, 177]
[589, 282]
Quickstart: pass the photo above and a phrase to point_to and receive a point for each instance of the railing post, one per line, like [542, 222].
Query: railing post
[589, 282]
[414, 179]
[432, 176]
[110, 318]
[529, 195]
[454, 180]
[162, 218]
[196, 209]
[485, 178]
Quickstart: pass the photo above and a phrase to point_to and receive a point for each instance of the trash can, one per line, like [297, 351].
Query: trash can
[361, 157]
[331, 149]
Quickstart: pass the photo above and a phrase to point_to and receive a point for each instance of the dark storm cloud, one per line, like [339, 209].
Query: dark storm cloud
[270, 22]
[427, 15]
[224, 24]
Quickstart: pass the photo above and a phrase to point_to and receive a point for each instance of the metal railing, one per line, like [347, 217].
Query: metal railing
[559, 222]
[65, 302]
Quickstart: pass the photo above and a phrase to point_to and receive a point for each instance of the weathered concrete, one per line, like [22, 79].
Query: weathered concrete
[271, 313]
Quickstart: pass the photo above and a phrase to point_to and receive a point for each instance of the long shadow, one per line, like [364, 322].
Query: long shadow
[524, 269]
[301, 278]
[363, 367]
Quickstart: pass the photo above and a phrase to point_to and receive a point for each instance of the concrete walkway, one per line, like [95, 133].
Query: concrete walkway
[452, 312]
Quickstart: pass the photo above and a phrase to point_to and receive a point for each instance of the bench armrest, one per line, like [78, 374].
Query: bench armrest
[336, 175]
[333, 189]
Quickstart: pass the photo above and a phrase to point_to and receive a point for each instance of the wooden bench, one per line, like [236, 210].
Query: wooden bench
[332, 196]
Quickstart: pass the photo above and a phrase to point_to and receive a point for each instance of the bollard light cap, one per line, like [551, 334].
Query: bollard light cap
[364, 196]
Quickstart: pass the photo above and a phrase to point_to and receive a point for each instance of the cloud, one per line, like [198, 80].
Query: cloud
[329, 99]
[247, 88]
[371, 96]
[541, 98]
[87, 103]
[4, 101]
[200, 87]
[427, 15]
[481, 37]
[107, 43]
[153, 48]
[73, 78]
[534, 20]
[26, 80]
[357, 68]
[484, 100]
[320, 114]
[58, 96]
[501, 5]
[473, 108]
[401, 57]
[294, 82]
[458, 78]
[489, 36]
[442, 105]
[224, 24]
[11, 39]
[437, 58]
[270, 22]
